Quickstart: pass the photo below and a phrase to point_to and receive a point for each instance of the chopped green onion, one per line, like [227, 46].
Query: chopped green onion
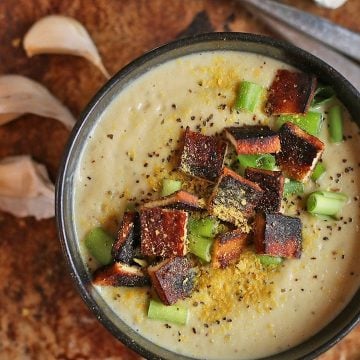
[200, 246]
[248, 96]
[326, 202]
[260, 161]
[319, 171]
[335, 119]
[99, 244]
[268, 260]
[130, 207]
[293, 187]
[170, 186]
[203, 227]
[310, 122]
[324, 217]
[170, 313]
[323, 94]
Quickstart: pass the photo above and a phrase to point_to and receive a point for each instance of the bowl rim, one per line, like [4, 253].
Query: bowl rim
[346, 89]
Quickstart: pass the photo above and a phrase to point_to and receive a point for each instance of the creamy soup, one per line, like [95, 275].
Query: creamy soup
[248, 311]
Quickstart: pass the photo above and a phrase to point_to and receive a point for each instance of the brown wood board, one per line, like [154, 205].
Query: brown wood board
[42, 315]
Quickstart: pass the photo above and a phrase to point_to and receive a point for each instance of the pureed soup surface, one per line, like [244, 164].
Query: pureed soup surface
[244, 311]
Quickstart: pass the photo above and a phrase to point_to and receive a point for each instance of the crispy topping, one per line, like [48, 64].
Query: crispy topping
[119, 274]
[227, 248]
[128, 238]
[290, 93]
[172, 279]
[234, 199]
[299, 153]
[202, 156]
[278, 235]
[163, 232]
[224, 291]
[180, 200]
[272, 182]
[253, 139]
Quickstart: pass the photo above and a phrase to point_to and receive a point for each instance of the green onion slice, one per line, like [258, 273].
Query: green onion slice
[200, 246]
[323, 95]
[268, 260]
[130, 207]
[248, 96]
[310, 122]
[335, 119]
[260, 161]
[318, 172]
[99, 244]
[206, 227]
[326, 202]
[170, 186]
[293, 187]
[169, 313]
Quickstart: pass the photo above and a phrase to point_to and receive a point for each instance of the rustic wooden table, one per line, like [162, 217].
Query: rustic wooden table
[42, 315]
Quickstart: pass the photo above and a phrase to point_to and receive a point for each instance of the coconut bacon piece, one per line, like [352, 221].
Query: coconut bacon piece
[163, 232]
[234, 199]
[227, 248]
[172, 279]
[272, 182]
[119, 274]
[278, 235]
[291, 93]
[128, 238]
[202, 156]
[253, 139]
[180, 200]
[299, 153]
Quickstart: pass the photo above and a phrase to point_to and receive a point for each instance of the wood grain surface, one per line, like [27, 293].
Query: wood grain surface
[41, 314]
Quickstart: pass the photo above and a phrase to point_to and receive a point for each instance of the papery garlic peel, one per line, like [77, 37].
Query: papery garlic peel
[57, 34]
[20, 95]
[25, 188]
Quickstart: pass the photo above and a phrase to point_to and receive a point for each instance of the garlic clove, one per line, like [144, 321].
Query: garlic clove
[20, 95]
[41, 207]
[57, 34]
[20, 176]
[25, 188]
[331, 4]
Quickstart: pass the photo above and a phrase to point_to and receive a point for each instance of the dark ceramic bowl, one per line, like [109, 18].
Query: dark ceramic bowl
[285, 52]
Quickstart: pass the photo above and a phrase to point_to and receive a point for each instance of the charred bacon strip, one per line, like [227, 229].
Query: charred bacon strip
[291, 93]
[277, 235]
[234, 198]
[227, 248]
[202, 156]
[180, 200]
[128, 238]
[299, 153]
[253, 139]
[272, 182]
[119, 274]
[172, 279]
[163, 232]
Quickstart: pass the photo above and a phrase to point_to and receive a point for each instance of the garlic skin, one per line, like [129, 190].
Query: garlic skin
[331, 4]
[57, 34]
[20, 95]
[25, 188]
